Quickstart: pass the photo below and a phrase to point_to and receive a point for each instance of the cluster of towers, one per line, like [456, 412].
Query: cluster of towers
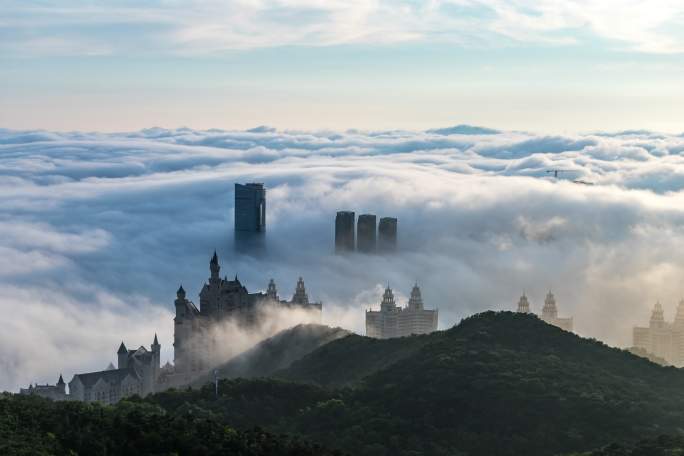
[549, 312]
[367, 240]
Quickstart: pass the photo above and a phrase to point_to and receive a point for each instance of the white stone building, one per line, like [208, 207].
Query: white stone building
[394, 321]
[661, 338]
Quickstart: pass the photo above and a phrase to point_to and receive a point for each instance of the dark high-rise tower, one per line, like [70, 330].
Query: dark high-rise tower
[365, 233]
[344, 232]
[387, 234]
[250, 208]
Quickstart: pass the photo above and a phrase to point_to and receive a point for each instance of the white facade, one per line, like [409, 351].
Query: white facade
[394, 321]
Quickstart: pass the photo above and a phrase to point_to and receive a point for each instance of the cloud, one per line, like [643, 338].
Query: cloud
[66, 28]
[98, 230]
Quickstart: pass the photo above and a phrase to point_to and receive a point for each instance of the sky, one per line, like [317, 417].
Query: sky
[548, 66]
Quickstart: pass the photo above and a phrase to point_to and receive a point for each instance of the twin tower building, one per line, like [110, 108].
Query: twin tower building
[368, 240]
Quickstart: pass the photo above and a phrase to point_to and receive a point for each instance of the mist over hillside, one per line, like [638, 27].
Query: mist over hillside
[98, 230]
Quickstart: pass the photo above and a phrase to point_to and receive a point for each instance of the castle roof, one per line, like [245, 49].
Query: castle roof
[61, 380]
[110, 376]
[156, 342]
[122, 349]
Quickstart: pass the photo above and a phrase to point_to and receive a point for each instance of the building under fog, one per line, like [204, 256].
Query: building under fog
[365, 233]
[549, 312]
[344, 231]
[394, 321]
[250, 208]
[661, 338]
[387, 234]
[196, 349]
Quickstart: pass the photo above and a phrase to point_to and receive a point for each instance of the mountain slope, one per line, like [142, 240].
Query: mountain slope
[277, 352]
[496, 384]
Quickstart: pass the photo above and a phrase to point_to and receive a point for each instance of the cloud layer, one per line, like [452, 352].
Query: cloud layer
[98, 230]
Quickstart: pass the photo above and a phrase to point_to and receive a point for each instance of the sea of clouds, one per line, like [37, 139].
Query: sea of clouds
[97, 230]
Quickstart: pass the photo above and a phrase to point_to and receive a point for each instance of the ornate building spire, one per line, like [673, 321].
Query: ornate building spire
[387, 304]
[214, 267]
[300, 296]
[271, 291]
[657, 316]
[523, 304]
[416, 300]
[679, 316]
[549, 311]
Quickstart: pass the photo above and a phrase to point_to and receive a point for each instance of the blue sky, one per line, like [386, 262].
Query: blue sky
[546, 66]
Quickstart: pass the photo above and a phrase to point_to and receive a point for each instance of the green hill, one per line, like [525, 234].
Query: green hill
[277, 352]
[496, 384]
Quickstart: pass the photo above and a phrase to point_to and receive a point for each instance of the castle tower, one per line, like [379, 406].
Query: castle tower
[387, 304]
[122, 355]
[657, 316]
[156, 349]
[416, 300]
[61, 386]
[549, 311]
[523, 304]
[214, 268]
[271, 291]
[300, 296]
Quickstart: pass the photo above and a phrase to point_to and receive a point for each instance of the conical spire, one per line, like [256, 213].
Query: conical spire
[61, 380]
[181, 292]
[214, 267]
[416, 300]
[122, 349]
[155, 342]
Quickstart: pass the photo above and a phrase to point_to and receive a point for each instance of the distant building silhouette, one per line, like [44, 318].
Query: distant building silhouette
[55, 392]
[549, 312]
[661, 338]
[344, 231]
[250, 208]
[394, 321]
[387, 234]
[365, 233]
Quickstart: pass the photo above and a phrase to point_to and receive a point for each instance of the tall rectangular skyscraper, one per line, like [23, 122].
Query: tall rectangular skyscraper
[365, 233]
[250, 208]
[387, 234]
[344, 232]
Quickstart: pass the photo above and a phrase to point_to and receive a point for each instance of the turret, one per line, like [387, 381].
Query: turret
[416, 300]
[523, 304]
[657, 316]
[300, 296]
[156, 353]
[271, 291]
[61, 386]
[214, 268]
[122, 355]
[549, 311]
[387, 304]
